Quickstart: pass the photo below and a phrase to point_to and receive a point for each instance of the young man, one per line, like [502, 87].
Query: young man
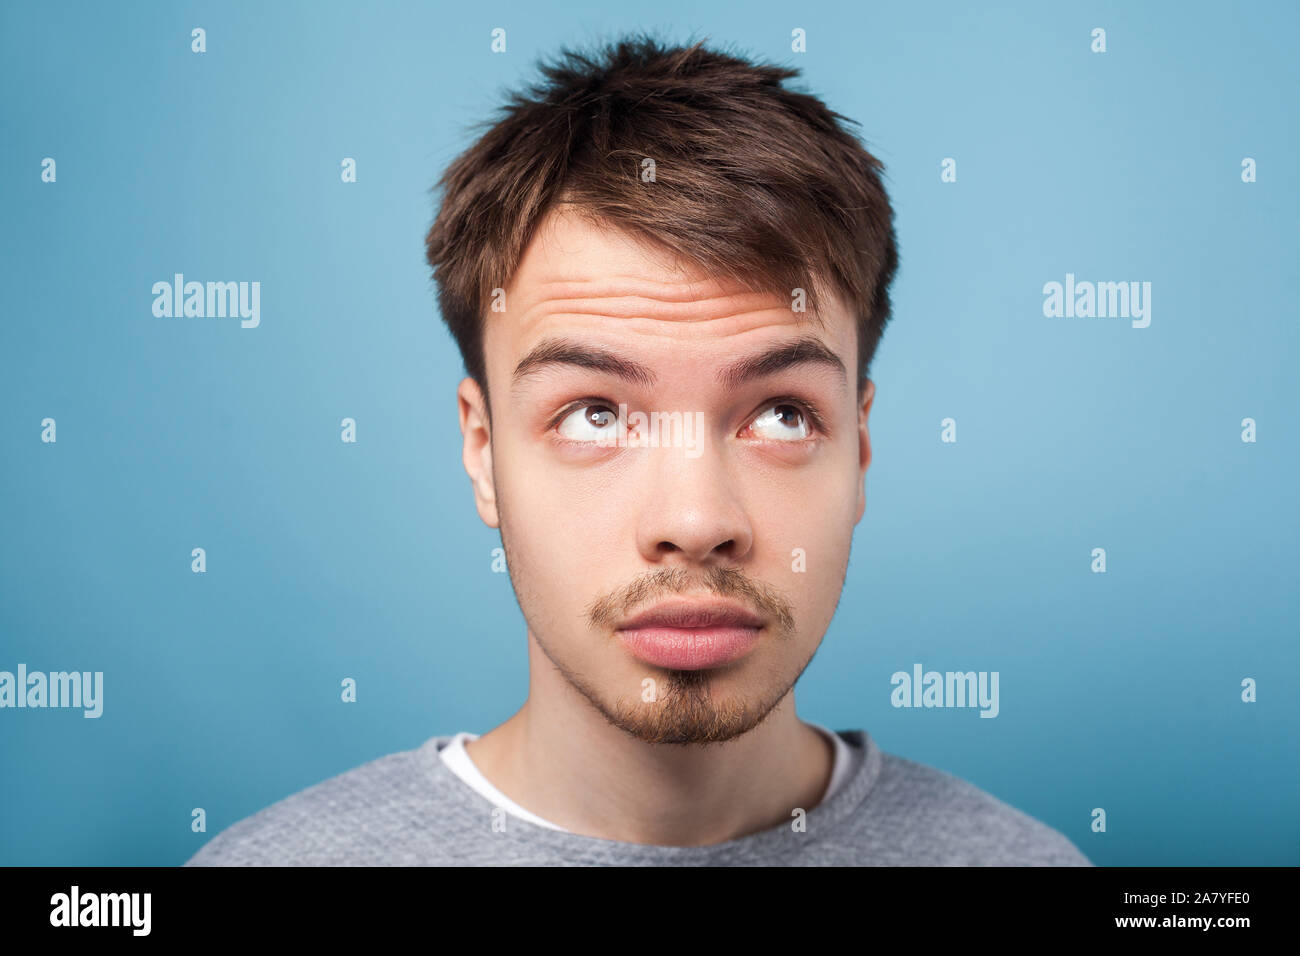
[667, 276]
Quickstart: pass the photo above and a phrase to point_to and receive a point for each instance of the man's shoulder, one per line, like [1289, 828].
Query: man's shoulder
[356, 817]
[938, 819]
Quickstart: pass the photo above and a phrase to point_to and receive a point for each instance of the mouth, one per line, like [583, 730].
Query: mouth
[691, 635]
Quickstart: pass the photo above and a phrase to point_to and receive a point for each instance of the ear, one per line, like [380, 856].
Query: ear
[864, 447]
[477, 451]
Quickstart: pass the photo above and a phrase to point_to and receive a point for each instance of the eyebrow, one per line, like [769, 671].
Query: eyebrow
[562, 352]
[566, 353]
[801, 352]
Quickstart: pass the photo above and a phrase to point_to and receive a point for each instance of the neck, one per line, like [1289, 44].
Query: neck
[559, 758]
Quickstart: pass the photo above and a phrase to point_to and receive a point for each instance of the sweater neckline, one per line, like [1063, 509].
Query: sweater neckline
[820, 820]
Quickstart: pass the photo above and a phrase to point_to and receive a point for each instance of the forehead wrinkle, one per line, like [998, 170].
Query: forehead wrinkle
[635, 313]
[626, 297]
[676, 289]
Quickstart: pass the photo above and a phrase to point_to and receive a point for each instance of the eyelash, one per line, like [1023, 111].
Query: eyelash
[810, 410]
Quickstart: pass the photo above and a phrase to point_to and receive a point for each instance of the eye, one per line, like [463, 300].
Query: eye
[593, 422]
[782, 421]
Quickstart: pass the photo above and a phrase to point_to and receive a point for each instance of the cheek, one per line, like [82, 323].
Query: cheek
[557, 527]
[818, 503]
[560, 512]
[807, 522]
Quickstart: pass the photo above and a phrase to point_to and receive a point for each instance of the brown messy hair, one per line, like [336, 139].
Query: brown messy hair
[753, 182]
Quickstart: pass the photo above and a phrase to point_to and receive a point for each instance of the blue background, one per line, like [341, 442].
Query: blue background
[1118, 690]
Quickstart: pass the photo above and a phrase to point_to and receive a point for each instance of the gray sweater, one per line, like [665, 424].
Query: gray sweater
[409, 808]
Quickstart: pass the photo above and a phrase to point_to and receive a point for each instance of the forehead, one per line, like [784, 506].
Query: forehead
[599, 281]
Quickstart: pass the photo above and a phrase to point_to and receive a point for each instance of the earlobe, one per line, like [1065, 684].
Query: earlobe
[476, 452]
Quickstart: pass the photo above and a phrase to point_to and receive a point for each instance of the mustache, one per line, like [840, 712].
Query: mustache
[605, 613]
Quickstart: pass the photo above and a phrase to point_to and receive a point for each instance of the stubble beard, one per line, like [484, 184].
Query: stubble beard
[680, 710]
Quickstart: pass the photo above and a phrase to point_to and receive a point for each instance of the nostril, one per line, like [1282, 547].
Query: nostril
[726, 548]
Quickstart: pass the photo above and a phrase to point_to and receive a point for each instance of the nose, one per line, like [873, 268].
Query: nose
[692, 511]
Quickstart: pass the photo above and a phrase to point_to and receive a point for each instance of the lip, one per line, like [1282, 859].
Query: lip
[691, 635]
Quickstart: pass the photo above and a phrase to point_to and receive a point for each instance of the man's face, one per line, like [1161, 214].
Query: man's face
[738, 524]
